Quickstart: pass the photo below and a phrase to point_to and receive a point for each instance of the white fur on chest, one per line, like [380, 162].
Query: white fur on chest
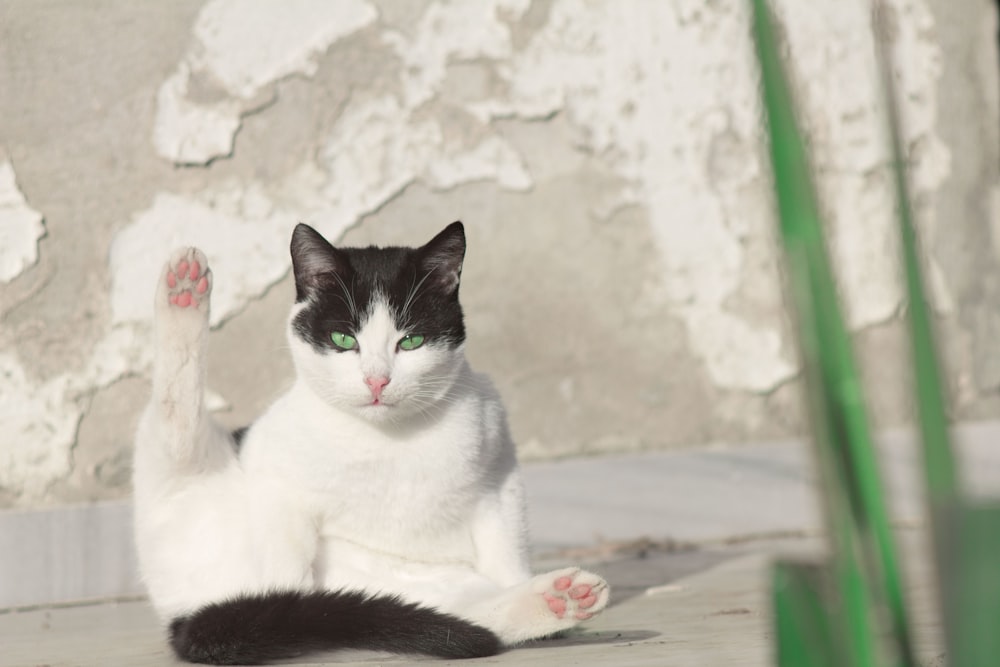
[409, 491]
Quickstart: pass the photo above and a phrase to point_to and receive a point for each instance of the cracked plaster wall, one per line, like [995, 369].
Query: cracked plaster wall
[621, 282]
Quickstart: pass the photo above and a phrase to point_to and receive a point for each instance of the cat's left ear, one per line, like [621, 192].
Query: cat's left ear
[443, 256]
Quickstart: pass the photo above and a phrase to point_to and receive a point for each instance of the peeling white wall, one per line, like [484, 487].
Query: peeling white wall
[20, 227]
[840, 96]
[238, 50]
[657, 98]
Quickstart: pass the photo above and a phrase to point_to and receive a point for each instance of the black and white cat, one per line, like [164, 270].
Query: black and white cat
[377, 504]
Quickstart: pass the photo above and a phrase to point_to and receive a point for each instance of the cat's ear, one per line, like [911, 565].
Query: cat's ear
[443, 256]
[314, 260]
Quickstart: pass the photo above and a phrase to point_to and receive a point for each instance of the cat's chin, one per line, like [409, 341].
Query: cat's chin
[396, 414]
[379, 413]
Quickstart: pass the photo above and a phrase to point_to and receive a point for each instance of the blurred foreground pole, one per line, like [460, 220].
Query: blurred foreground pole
[966, 535]
[851, 608]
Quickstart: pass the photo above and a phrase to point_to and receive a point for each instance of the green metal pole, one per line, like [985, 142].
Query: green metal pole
[864, 552]
[806, 635]
[939, 463]
[966, 536]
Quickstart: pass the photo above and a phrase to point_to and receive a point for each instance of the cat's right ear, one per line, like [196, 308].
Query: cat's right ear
[314, 261]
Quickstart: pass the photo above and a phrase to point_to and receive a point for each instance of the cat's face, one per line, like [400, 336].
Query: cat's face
[378, 331]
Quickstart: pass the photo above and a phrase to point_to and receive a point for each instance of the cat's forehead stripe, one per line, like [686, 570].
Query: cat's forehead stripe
[380, 320]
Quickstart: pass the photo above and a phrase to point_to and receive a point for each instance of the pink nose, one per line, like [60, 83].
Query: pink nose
[376, 384]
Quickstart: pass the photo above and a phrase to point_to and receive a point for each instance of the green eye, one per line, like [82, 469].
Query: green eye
[344, 341]
[411, 342]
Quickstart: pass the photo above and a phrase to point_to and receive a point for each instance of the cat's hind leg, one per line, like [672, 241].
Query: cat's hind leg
[544, 605]
[175, 422]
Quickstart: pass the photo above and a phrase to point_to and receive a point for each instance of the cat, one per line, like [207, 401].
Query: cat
[377, 504]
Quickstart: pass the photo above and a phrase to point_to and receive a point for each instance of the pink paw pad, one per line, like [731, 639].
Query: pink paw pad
[556, 605]
[562, 583]
[187, 279]
[183, 299]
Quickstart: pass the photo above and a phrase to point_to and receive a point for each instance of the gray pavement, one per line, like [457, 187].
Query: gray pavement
[685, 538]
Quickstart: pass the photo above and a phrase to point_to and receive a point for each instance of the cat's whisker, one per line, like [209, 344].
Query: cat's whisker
[348, 295]
[410, 297]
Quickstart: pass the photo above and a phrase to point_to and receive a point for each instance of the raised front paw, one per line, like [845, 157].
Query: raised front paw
[187, 280]
[574, 593]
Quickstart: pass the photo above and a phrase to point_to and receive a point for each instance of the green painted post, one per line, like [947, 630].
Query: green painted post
[851, 613]
[939, 464]
[971, 591]
[806, 634]
[966, 535]
[864, 561]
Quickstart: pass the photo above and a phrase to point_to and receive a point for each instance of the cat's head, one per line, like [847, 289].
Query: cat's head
[378, 331]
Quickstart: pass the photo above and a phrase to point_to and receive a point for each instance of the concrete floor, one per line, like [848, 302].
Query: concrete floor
[685, 538]
[681, 618]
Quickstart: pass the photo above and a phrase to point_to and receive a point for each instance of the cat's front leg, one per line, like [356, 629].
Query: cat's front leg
[526, 607]
[500, 534]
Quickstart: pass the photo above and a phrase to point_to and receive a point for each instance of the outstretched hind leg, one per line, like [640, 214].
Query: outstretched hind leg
[176, 415]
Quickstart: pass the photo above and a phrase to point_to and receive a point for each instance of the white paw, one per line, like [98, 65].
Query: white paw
[572, 593]
[543, 606]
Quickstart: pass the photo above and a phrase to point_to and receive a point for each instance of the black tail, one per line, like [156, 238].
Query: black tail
[256, 629]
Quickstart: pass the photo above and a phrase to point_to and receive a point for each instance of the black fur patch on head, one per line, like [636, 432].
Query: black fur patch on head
[340, 286]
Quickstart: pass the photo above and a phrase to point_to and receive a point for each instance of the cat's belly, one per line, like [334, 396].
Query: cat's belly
[437, 580]
[363, 537]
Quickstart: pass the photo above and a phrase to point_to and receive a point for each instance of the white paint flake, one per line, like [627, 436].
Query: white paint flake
[38, 429]
[248, 46]
[20, 227]
[378, 148]
[39, 420]
[240, 49]
[189, 132]
[451, 32]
